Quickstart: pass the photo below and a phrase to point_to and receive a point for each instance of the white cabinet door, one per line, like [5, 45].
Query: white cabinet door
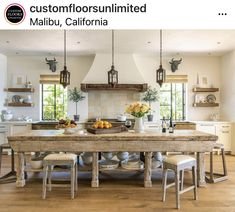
[224, 131]
[18, 128]
[3, 137]
[152, 126]
[207, 128]
[3, 134]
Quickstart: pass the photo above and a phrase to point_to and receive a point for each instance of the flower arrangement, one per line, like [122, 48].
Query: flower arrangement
[138, 109]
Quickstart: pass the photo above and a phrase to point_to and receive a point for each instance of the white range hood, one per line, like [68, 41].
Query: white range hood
[128, 72]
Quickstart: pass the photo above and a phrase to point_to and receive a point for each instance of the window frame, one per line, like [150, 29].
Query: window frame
[54, 105]
[184, 89]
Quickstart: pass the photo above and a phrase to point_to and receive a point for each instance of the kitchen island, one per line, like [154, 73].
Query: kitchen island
[148, 142]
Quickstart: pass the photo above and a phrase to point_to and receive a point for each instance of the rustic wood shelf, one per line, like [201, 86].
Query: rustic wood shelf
[205, 104]
[29, 90]
[28, 168]
[120, 169]
[205, 90]
[118, 87]
[18, 104]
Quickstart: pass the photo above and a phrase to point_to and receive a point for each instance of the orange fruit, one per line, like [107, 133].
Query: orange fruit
[106, 126]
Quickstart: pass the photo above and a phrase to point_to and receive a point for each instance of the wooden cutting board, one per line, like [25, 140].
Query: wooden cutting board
[117, 129]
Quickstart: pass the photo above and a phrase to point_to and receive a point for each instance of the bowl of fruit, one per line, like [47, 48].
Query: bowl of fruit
[102, 125]
[69, 126]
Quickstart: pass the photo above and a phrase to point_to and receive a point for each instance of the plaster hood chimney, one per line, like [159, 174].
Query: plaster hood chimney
[128, 72]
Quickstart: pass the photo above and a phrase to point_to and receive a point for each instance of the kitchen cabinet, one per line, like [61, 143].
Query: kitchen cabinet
[3, 134]
[152, 125]
[3, 137]
[18, 128]
[207, 128]
[224, 131]
[10, 128]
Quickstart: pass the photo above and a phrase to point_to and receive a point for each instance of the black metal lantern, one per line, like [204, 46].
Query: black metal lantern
[65, 74]
[112, 74]
[65, 77]
[161, 73]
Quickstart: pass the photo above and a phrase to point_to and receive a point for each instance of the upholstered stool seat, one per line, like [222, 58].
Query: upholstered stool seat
[52, 160]
[178, 164]
[179, 159]
[61, 157]
[217, 177]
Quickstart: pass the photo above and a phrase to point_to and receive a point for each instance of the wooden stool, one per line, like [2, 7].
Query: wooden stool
[217, 177]
[59, 159]
[178, 164]
[10, 176]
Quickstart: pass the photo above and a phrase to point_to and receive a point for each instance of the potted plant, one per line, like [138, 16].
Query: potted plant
[151, 95]
[138, 110]
[76, 96]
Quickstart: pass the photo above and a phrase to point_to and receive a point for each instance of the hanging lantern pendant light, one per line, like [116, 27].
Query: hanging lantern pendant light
[161, 73]
[112, 74]
[65, 74]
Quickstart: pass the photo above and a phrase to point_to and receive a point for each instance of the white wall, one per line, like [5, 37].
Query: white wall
[3, 77]
[146, 64]
[33, 66]
[204, 65]
[228, 87]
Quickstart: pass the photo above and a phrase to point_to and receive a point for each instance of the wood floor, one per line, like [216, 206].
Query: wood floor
[117, 192]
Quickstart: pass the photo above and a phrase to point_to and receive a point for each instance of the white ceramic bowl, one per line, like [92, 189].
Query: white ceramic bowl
[107, 155]
[68, 131]
[7, 117]
[121, 117]
[36, 164]
[123, 155]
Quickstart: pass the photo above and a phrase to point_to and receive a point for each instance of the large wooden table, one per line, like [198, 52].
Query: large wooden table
[148, 142]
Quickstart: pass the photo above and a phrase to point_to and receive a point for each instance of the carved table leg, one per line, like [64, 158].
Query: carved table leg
[201, 169]
[148, 170]
[95, 171]
[20, 182]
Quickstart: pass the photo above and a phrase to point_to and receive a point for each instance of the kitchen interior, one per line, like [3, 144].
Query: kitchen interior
[194, 90]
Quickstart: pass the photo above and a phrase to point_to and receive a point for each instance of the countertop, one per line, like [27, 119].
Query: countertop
[89, 122]
[212, 122]
[57, 135]
[16, 122]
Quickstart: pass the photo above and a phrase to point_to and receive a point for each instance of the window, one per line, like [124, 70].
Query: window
[54, 102]
[172, 101]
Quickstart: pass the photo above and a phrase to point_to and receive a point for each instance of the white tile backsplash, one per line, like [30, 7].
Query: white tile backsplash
[108, 104]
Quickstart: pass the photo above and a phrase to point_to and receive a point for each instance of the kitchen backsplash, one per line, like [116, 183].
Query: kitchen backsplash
[108, 104]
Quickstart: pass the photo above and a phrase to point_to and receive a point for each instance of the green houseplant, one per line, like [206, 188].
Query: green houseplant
[151, 95]
[76, 96]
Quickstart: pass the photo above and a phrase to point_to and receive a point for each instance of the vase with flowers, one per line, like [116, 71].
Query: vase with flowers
[138, 110]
